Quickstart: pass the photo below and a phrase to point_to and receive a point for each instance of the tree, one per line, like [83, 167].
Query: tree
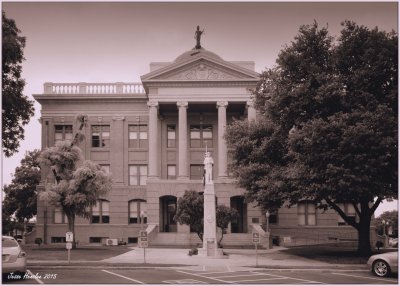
[389, 219]
[17, 108]
[78, 185]
[327, 130]
[224, 216]
[190, 211]
[21, 195]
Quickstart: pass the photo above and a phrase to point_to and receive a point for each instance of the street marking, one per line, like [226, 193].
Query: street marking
[223, 281]
[308, 281]
[252, 280]
[37, 279]
[184, 281]
[206, 273]
[249, 274]
[122, 276]
[363, 277]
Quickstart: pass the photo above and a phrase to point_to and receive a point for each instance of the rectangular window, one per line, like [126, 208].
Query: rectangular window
[95, 239]
[201, 136]
[58, 239]
[101, 212]
[100, 135]
[59, 216]
[136, 209]
[171, 172]
[306, 212]
[132, 240]
[62, 133]
[138, 136]
[196, 172]
[138, 175]
[273, 217]
[171, 136]
[350, 212]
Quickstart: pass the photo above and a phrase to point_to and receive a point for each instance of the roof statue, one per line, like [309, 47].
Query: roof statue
[197, 36]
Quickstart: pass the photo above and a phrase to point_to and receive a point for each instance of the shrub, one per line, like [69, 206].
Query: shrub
[38, 241]
[193, 251]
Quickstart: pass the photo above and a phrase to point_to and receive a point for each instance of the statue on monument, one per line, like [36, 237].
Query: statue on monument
[197, 36]
[208, 165]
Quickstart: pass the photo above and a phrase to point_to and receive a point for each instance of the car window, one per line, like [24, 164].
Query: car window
[8, 242]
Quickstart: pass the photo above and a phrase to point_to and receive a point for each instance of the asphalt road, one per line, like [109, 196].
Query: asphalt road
[101, 275]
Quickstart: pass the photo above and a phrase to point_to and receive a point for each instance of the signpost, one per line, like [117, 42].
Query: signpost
[69, 238]
[256, 240]
[143, 242]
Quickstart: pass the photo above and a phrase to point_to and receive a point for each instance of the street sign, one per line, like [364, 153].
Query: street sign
[255, 237]
[69, 236]
[143, 239]
[69, 245]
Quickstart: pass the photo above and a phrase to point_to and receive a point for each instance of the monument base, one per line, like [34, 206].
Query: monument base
[215, 253]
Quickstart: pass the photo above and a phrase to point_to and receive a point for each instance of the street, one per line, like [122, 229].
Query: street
[197, 275]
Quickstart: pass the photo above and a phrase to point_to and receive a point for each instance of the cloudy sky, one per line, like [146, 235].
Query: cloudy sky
[110, 42]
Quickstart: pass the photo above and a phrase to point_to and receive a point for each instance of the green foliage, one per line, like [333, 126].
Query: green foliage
[327, 129]
[21, 195]
[225, 215]
[190, 211]
[17, 109]
[391, 218]
[78, 184]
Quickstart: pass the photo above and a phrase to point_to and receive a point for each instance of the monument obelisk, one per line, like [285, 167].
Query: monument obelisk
[210, 244]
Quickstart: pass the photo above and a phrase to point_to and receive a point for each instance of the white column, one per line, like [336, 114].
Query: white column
[251, 111]
[222, 149]
[153, 138]
[183, 142]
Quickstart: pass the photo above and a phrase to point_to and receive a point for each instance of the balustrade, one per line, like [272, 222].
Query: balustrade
[93, 88]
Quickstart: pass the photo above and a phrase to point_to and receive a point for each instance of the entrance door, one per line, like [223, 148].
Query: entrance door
[239, 225]
[167, 213]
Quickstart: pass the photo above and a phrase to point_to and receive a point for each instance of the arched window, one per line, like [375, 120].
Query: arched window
[136, 208]
[101, 212]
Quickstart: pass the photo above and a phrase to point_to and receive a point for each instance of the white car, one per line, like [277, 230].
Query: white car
[384, 264]
[14, 258]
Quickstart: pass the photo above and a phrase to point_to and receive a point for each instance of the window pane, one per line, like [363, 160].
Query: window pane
[171, 143]
[350, 209]
[106, 208]
[207, 134]
[133, 212]
[171, 135]
[58, 215]
[302, 219]
[195, 134]
[171, 171]
[143, 135]
[105, 219]
[301, 208]
[195, 143]
[133, 135]
[311, 219]
[58, 137]
[311, 208]
[143, 170]
[96, 209]
[196, 172]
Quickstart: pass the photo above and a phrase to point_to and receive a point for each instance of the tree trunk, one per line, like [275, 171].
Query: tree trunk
[364, 242]
[71, 228]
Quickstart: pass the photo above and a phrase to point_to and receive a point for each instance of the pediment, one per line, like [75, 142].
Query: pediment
[202, 70]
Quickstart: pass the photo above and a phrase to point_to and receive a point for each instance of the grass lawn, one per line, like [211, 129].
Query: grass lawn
[332, 254]
[88, 253]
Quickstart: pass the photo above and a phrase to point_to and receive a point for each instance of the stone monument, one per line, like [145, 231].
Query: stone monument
[210, 243]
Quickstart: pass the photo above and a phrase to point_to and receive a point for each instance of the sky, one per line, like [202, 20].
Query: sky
[115, 42]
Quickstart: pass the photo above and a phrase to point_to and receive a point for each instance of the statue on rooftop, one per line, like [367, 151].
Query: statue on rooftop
[197, 36]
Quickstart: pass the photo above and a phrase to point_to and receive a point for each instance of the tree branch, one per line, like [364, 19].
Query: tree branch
[341, 213]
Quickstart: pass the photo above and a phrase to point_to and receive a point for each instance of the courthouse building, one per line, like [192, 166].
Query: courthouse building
[151, 137]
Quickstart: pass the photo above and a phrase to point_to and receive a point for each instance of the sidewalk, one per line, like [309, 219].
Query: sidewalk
[237, 260]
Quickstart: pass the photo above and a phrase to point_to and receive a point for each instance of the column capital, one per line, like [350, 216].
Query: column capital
[222, 104]
[118, 118]
[182, 104]
[152, 104]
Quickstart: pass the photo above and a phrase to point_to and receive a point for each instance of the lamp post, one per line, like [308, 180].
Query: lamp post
[267, 214]
[141, 219]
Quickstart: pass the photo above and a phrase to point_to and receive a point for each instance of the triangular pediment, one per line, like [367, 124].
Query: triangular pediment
[201, 69]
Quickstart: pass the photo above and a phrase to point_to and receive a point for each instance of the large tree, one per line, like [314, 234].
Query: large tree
[327, 125]
[21, 195]
[190, 211]
[78, 185]
[17, 109]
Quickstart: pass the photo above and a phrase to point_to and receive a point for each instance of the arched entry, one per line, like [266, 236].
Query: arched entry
[239, 225]
[167, 213]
